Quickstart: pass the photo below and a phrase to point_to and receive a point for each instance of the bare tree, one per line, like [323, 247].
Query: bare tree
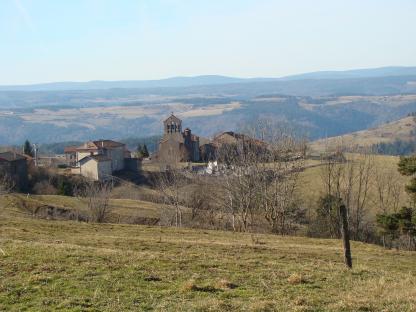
[349, 180]
[261, 177]
[361, 170]
[279, 171]
[6, 185]
[97, 196]
[202, 199]
[170, 183]
[388, 189]
[239, 181]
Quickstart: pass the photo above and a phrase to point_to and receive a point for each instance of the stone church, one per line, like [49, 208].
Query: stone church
[177, 145]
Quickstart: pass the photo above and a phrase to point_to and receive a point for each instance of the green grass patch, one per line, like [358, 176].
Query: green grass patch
[73, 266]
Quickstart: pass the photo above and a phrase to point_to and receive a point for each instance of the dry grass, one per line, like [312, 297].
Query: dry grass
[296, 278]
[123, 210]
[400, 129]
[311, 185]
[72, 266]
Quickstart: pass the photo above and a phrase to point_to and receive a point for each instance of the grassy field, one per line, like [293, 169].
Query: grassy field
[401, 129]
[311, 185]
[73, 266]
[131, 201]
[121, 210]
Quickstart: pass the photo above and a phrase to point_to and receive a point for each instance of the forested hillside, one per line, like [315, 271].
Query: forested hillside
[316, 109]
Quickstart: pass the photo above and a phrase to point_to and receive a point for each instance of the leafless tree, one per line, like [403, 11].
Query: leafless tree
[6, 185]
[171, 183]
[388, 189]
[97, 196]
[239, 181]
[350, 181]
[279, 171]
[261, 177]
[202, 198]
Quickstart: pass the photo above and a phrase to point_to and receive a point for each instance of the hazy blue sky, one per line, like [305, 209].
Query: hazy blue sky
[77, 40]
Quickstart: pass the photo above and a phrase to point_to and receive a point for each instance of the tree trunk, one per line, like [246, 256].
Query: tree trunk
[233, 222]
[176, 216]
[345, 236]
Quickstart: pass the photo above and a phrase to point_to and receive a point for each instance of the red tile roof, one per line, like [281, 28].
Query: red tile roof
[94, 145]
[98, 158]
[70, 149]
[11, 156]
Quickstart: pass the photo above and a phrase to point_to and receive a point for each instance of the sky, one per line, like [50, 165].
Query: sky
[82, 40]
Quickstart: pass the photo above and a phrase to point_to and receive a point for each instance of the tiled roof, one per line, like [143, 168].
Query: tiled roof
[172, 117]
[107, 144]
[98, 158]
[96, 145]
[232, 138]
[70, 149]
[11, 156]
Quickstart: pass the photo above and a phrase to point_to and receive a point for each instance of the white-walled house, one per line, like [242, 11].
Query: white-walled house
[96, 167]
[98, 159]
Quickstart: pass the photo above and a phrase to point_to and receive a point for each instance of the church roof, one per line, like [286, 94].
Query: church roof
[172, 117]
[231, 137]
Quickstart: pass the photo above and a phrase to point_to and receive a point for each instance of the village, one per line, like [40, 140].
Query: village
[208, 156]
[101, 160]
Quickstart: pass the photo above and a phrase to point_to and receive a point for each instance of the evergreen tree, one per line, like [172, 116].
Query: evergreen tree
[145, 152]
[407, 167]
[65, 188]
[403, 223]
[139, 151]
[388, 225]
[327, 217]
[27, 149]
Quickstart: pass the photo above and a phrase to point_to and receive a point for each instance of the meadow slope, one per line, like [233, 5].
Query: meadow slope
[402, 129]
[73, 266]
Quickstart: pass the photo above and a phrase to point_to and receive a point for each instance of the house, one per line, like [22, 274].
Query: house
[210, 151]
[111, 149]
[99, 159]
[96, 167]
[177, 145]
[14, 167]
[71, 155]
[230, 138]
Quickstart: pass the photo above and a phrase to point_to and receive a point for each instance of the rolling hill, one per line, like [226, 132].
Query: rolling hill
[318, 105]
[357, 73]
[212, 80]
[402, 129]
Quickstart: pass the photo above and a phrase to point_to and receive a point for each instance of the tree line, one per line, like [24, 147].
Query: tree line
[257, 187]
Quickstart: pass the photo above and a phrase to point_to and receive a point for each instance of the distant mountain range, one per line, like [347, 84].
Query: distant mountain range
[211, 80]
[318, 105]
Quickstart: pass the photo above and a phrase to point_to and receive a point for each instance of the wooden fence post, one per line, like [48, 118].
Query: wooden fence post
[345, 235]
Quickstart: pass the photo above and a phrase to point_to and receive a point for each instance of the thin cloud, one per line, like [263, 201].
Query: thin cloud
[24, 14]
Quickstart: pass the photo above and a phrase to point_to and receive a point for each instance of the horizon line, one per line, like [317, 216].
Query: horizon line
[208, 75]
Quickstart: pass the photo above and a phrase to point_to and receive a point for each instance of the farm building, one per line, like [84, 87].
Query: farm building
[98, 160]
